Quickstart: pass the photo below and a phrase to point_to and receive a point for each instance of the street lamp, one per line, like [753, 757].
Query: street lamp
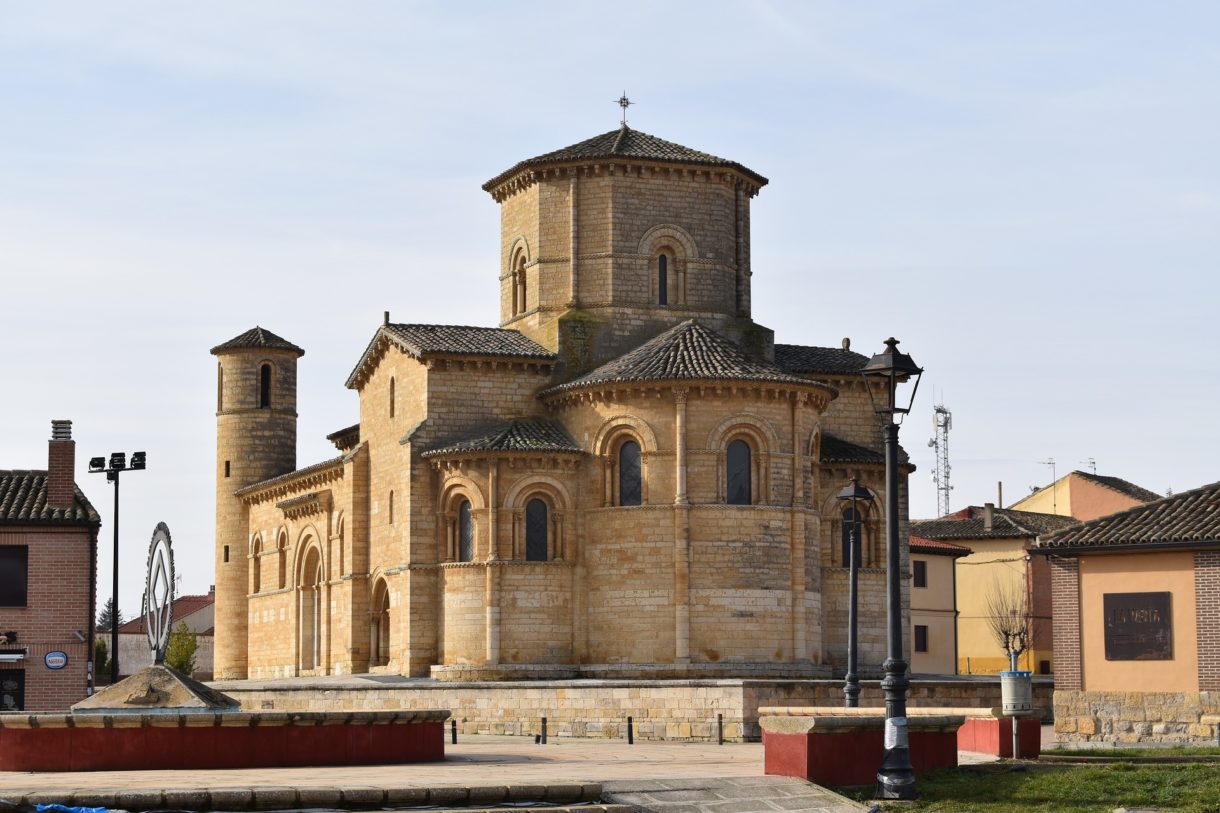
[855, 494]
[118, 464]
[895, 777]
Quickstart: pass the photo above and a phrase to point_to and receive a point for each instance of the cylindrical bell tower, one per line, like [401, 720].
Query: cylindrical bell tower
[256, 439]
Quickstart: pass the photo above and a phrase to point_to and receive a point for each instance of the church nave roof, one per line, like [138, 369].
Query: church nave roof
[800, 358]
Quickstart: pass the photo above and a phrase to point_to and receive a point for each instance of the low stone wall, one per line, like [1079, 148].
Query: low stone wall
[685, 710]
[1091, 719]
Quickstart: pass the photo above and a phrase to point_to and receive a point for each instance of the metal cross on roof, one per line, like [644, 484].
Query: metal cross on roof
[624, 103]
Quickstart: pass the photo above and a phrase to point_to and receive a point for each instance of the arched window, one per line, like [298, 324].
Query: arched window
[264, 386]
[737, 463]
[391, 396]
[662, 279]
[852, 527]
[465, 533]
[391, 508]
[519, 286]
[537, 518]
[380, 627]
[258, 564]
[282, 557]
[629, 485]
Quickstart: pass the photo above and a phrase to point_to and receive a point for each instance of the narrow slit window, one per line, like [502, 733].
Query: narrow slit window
[630, 491]
[391, 396]
[537, 517]
[264, 386]
[228, 468]
[738, 475]
[662, 280]
[465, 533]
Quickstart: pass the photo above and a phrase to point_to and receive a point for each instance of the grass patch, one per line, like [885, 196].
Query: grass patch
[1087, 788]
[1175, 751]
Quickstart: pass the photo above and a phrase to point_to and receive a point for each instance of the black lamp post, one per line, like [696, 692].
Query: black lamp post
[118, 464]
[855, 494]
[895, 777]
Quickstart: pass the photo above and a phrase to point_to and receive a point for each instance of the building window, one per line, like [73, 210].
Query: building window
[264, 386]
[220, 387]
[465, 533]
[258, 565]
[920, 568]
[536, 521]
[852, 527]
[226, 554]
[14, 573]
[391, 511]
[519, 286]
[662, 279]
[738, 480]
[281, 556]
[630, 491]
[228, 468]
[391, 396]
[921, 638]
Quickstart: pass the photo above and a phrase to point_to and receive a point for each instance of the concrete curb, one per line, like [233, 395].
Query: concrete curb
[273, 797]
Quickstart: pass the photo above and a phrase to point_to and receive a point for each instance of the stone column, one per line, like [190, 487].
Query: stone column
[798, 536]
[492, 572]
[574, 241]
[681, 537]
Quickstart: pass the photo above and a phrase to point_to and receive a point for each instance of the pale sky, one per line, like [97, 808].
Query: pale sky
[1026, 194]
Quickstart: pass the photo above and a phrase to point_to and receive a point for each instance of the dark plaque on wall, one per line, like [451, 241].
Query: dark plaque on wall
[1139, 626]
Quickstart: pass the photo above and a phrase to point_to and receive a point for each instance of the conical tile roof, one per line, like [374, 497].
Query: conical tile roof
[257, 338]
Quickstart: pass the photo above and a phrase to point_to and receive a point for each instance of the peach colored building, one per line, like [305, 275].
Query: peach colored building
[1137, 622]
[1084, 496]
[934, 605]
[626, 477]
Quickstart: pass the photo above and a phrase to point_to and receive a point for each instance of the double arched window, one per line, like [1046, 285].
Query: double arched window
[630, 485]
[519, 290]
[739, 486]
[465, 529]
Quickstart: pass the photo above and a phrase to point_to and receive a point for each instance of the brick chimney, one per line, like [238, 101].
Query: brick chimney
[61, 466]
[988, 516]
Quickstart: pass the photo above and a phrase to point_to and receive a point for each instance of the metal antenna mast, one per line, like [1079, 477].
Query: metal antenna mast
[942, 422]
[1050, 461]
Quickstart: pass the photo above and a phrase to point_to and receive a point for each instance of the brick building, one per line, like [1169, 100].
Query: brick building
[48, 564]
[1137, 622]
[628, 477]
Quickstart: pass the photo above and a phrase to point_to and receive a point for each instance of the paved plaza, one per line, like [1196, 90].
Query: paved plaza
[676, 777]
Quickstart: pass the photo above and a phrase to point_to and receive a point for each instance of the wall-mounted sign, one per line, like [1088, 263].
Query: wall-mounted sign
[1139, 626]
[55, 660]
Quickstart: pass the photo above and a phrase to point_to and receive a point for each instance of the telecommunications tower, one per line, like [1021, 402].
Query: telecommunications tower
[942, 422]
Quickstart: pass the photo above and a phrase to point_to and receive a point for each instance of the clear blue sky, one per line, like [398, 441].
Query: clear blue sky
[1026, 194]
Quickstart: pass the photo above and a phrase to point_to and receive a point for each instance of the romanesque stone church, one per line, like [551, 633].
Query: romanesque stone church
[628, 477]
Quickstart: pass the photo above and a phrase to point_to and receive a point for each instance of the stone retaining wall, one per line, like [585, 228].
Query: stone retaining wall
[683, 710]
[1148, 718]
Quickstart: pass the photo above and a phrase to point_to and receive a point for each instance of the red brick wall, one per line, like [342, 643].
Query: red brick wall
[1207, 618]
[61, 470]
[1065, 596]
[60, 602]
[1041, 604]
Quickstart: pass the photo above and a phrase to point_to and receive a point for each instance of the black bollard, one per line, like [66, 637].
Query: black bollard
[544, 731]
[453, 731]
[630, 732]
[720, 729]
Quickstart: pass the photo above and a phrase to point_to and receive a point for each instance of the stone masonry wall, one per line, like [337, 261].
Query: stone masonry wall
[1147, 718]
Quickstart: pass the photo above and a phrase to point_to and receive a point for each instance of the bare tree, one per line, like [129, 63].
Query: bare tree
[1008, 615]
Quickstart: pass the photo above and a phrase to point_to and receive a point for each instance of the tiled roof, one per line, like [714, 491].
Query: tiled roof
[183, 607]
[346, 438]
[689, 351]
[938, 548]
[1121, 486]
[456, 340]
[799, 358]
[623, 142]
[23, 501]
[518, 435]
[316, 468]
[837, 450]
[1006, 524]
[257, 338]
[1192, 516]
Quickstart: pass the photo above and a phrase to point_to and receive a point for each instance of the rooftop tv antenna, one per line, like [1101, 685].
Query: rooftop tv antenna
[942, 422]
[1050, 461]
[1091, 463]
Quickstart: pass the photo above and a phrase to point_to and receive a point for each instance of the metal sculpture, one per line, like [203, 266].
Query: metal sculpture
[159, 592]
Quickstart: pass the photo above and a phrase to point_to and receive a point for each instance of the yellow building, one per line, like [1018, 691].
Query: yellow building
[627, 477]
[999, 541]
[1084, 496]
[1137, 615]
[934, 606]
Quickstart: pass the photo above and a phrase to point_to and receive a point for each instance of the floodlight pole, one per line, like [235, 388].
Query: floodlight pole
[118, 464]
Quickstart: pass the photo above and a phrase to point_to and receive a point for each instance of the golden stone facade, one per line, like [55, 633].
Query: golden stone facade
[628, 478]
